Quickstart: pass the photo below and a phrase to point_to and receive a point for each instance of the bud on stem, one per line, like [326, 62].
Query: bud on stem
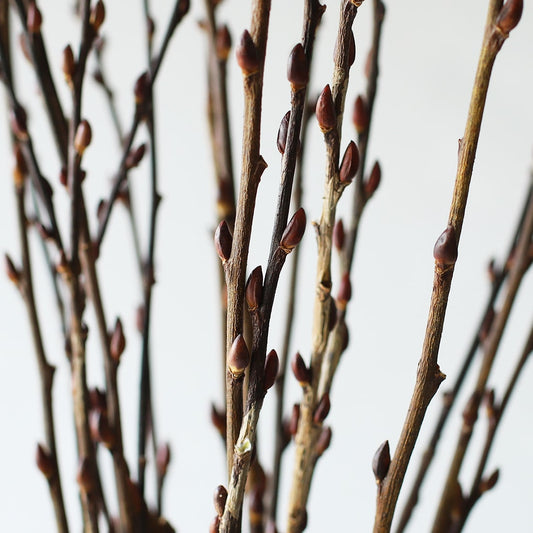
[325, 110]
[293, 232]
[381, 462]
[297, 68]
[247, 56]
[238, 357]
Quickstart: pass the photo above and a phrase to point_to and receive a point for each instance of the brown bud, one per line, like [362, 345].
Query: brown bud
[324, 440]
[325, 110]
[162, 459]
[135, 156]
[20, 161]
[117, 343]
[247, 56]
[45, 462]
[470, 411]
[350, 163]
[19, 122]
[332, 314]
[183, 7]
[254, 289]
[83, 137]
[381, 462]
[322, 409]
[271, 369]
[486, 325]
[509, 15]
[445, 250]
[345, 292]
[97, 400]
[63, 177]
[12, 272]
[150, 28]
[351, 49]
[69, 64]
[218, 419]
[339, 235]
[214, 525]
[361, 115]
[257, 508]
[45, 233]
[223, 43]
[294, 231]
[219, 499]
[97, 15]
[297, 68]
[85, 476]
[238, 357]
[489, 483]
[295, 418]
[300, 370]
[34, 19]
[100, 429]
[223, 241]
[493, 271]
[372, 182]
[141, 90]
[282, 132]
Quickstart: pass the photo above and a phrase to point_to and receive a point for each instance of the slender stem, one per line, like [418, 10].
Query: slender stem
[429, 376]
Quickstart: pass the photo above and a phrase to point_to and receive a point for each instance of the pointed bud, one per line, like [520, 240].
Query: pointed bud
[372, 182]
[509, 15]
[325, 111]
[223, 241]
[219, 499]
[295, 419]
[45, 233]
[150, 28]
[345, 292]
[297, 68]
[141, 90]
[470, 411]
[271, 369]
[300, 370]
[381, 462]
[69, 64]
[218, 419]
[84, 476]
[135, 156]
[45, 462]
[238, 357]
[247, 56]
[282, 132]
[83, 137]
[323, 441]
[339, 235]
[100, 429]
[350, 163]
[162, 459]
[12, 272]
[445, 250]
[97, 15]
[493, 271]
[214, 525]
[361, 115]
[19, 123]
[351, 49]
[293, 232]
[223, 43]
[492, 409]
[34, 19]
[254, 289]
[489, 483]
[117, 343]
[322, 409]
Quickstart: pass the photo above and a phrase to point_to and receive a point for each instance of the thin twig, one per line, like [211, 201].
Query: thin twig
[429, 376]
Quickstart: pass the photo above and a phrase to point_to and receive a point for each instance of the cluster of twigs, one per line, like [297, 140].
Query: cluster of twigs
[247, 297]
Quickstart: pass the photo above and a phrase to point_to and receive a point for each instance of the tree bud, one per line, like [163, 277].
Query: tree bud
[322, 409]
[162, 459]
[325, 111]
[69, 64]
[345, 292]
[297, 68]
[45, 462]
[361, 115]
[350, 163]
[12, 272]
[489, 483]
[271, 369]
[381, 462]
[19, 123]
[247, 56]
[238, 357]
[295, 418]
[223, 241]
[300, 370]
[83, 137]
[254, 289]
[34, 19]
[293, 232]
[223, 43]
[135, 156]
[97, 15]
[282, 132]
[510, 15]
[85, 476]
[445, 250]
[323, 441]
[372, 182]
[117, 343]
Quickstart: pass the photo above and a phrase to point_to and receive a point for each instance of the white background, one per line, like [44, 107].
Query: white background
[428, 59]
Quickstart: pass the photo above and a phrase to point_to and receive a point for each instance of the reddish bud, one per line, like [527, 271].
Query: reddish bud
[238, 357]
[381, 462]
[100, 429]
[45, 233]
[300, 370]
[219, 499]
[218, 419]
[350, 163]
[361, 115]
[12, 272]
[214, 525]
[19, 122]
[294, 231]
[84, 476]
[339, 235]
[345, 292]
[223, 241]
[295, 418]
[97, 15]
[297, 68]
[135, 156]
[324, 440]
[257, 508]
[69, 64]
[282, 132]
[34, 19]
[445, 250]
[247, 56]
[141, 90]
[223, 43]
[45, 462]
[489, 483]
[510, 15]
[351, 49]
[322, 409]
[117, 343]
[183, 7]
[162, 459]
[83, 137]
[332, 314]
[493, 271]
[271, 369]
[372, 182]
[254, 289]
[325, 110]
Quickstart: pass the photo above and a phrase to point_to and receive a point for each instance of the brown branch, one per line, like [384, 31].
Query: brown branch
[429, 376]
